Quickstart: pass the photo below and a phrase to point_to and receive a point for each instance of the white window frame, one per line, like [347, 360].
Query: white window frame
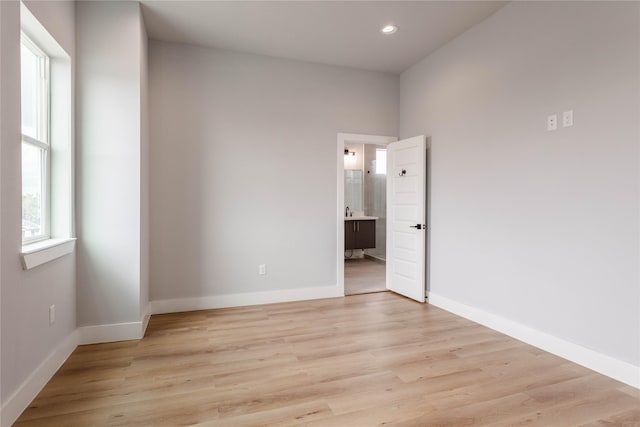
[59, 191]
[381, 166]
[42, 141]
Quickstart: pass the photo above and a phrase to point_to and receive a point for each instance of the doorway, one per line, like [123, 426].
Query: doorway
[361, 228]
[406, 218]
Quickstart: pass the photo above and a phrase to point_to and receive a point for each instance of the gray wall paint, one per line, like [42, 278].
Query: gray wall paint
[58, 17]
[2, 137]
[243, 167]
[144, 170]
[27, 339]
[544, 224]
[110, 136]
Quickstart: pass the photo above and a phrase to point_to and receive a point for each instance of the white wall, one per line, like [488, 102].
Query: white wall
[144, 170]
[357, 161]
[1, 139]
[27, 339]
[537, 227]
[243, 167]
[111, 141]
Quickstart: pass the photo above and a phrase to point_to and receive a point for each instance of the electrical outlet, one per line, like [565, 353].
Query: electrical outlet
[567, 118]
[552, 122]
[52, 314]
[262, 269]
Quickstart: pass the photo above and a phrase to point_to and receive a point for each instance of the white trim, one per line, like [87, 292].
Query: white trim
[29, 389]
[238, 300]
[606, 365]
[342, 139]
[60, 135]
[41, 252]
[42, 139]
[145, 318]
[375, 258]
[41, 145]
[100, 334]
[34, 30]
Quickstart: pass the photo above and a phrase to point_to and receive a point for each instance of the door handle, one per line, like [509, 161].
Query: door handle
[354, 226]
[418, 226]
[358, 225]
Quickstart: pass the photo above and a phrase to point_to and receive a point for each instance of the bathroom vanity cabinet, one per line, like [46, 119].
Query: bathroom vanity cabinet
[359, 233]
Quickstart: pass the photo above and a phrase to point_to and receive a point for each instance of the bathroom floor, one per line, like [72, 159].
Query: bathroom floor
[363, 275]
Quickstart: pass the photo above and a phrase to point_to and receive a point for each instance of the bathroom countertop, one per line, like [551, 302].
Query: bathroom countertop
[359, 218]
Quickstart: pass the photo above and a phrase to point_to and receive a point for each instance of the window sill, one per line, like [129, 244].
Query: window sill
[35, 254]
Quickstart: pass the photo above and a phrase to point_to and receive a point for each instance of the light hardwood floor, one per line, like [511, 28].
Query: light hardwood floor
[364, 275]
[356, 361]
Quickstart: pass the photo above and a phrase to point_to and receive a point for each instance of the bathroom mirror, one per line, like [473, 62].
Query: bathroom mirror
[353, 189]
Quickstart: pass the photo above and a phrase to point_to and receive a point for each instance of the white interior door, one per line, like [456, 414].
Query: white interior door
[406, 217]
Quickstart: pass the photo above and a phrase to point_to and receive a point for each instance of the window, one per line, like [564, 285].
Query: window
[381, 161]
[47, 145]
[36, 150]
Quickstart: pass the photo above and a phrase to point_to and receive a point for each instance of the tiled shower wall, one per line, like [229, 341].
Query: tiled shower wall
[375, 199]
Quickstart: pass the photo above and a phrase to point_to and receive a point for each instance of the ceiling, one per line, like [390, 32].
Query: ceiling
[345, 33]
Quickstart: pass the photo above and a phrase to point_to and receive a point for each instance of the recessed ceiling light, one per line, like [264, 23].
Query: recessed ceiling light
[389, 29]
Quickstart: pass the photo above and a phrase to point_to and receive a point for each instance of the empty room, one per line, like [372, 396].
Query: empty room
[323, 213]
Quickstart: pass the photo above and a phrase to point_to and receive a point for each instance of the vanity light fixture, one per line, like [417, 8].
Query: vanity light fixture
[349, 153]
[389, 29]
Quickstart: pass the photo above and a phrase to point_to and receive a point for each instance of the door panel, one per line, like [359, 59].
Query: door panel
[406, 208]
[406, 213]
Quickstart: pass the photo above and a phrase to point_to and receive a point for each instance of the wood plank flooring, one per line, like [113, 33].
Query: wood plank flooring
[364, 275]
[363, 360]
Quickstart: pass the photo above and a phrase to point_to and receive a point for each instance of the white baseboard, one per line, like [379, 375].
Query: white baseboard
[21, 398]
[238, 300]
[145, 318]
[110, 333]
[606, 365]
[376, 258]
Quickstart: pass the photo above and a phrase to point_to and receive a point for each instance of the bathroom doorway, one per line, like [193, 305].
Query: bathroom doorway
[362, 203]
